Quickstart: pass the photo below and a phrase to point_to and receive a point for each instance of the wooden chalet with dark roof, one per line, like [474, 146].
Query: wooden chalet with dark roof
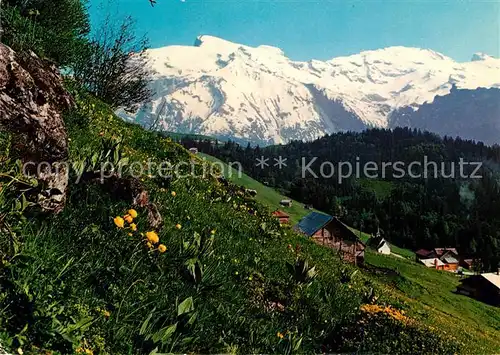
[467, 263]
[331, 232]
[484, 287]
[422, 254]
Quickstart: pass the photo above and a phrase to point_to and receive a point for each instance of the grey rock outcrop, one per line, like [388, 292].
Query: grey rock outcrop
[32, 99]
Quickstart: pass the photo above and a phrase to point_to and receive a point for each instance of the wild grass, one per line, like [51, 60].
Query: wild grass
[230, 281]
[430, 294]
[266, 195]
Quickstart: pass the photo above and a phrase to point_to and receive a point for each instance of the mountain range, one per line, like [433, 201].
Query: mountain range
[257, 94]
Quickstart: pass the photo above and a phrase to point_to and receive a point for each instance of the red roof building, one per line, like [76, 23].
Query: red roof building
[449, 256]
[283, 217]
[423, 254]
[442, 251]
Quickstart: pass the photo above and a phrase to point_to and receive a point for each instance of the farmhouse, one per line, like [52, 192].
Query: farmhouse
[450, 262]
[283, 217]
[484, 287]
[466, 263]
[448, 256]
[380, 245]
[331, 232]
[439, 252]
[422, 254]
[434, 263]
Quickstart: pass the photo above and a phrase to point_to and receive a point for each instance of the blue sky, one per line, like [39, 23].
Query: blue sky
[320, 29]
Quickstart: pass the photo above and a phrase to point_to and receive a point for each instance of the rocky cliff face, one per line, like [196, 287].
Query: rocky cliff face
[32, 99]
[469, 114]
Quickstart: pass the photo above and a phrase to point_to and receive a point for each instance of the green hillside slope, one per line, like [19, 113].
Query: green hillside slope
[271, 198]
[428, 292]
[265, 195]
[219, 276]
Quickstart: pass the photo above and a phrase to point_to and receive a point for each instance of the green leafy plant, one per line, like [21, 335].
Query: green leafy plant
[290, 342]
[198, 249]
[14, 187]
[168, 334]
[108, 160]
[301, 272]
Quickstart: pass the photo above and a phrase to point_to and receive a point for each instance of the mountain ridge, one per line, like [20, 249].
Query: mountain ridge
[221, 88]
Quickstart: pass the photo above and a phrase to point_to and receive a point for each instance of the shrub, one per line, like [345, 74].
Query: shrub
[114, 66]
[55, 29]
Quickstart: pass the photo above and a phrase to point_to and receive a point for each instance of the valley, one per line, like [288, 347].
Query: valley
[153, 197]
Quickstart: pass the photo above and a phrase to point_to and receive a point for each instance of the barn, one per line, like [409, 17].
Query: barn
[434, 263]
[448, 256]
[331, 232]
[484, 287]
[284, 218]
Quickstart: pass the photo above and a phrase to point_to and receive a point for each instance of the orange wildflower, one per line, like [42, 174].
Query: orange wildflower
[119, 222]
[152, 237]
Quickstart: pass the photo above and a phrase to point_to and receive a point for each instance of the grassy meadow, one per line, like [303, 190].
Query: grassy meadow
[427, 292]
[430, 294]
[218, 276]
[266, 195]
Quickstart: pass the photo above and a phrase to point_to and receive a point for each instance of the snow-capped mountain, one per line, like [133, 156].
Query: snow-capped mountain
[224, 89]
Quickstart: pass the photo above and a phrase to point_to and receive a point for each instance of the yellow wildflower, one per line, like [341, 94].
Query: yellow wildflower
[388, 310]
[119, 222]
[280, 335]
[133, 213]
[128, 218]
[152, 237]
[106, 314]
[212, 232]
[162, 248]
[149, 245]
[133, 227]
[130, 234]
[178, 226]
[173, 193]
